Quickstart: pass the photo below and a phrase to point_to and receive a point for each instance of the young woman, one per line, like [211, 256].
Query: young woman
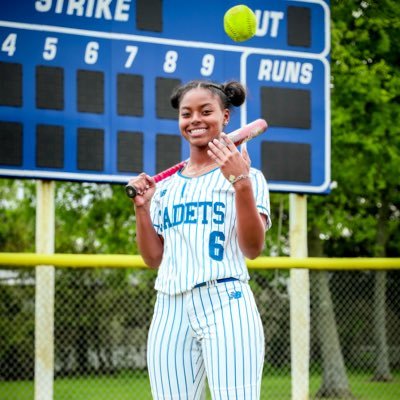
[197, 227]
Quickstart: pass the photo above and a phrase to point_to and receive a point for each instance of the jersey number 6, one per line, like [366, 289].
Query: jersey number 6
[215, 248]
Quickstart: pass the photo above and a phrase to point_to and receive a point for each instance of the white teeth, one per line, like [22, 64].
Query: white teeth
[197, 131]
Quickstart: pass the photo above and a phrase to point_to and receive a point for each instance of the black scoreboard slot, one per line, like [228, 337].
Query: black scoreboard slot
[299, 26]
[168, 151]
[50, 88]
[164, 88]
[288, 108]
[90, 96]
[90, 149]
[10, 84]
[284, 161]
[149, 15]
[130, 151]
[50, 146]
[130, 95]
[11, 143]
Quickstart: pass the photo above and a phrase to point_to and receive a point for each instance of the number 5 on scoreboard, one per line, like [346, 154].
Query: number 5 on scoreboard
[50, 48]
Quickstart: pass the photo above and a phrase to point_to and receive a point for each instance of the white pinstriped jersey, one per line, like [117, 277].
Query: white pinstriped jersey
[197, 219]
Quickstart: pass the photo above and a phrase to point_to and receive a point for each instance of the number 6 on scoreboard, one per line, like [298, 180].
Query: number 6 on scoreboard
[92, 52]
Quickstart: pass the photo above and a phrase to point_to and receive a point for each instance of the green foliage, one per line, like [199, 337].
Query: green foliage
[17, 331]
[17, 211]
[94, 218]
[91, 313]
[361, 215]
[90, 218]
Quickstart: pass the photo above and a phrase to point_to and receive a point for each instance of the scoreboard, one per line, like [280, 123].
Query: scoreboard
[85, 86]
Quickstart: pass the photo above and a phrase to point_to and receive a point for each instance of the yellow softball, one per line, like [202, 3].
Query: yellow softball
[240, 23]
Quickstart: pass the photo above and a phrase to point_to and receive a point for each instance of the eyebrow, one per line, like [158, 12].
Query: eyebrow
[202, 106]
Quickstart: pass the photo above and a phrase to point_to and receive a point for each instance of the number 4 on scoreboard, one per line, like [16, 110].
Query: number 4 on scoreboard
[10, 44]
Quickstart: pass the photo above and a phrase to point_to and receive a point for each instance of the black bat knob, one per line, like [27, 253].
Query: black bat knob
[130, 191]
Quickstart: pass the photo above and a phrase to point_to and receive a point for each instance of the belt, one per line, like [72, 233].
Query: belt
[209, 283]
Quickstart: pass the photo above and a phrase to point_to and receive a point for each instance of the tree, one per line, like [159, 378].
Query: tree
[362, 212]
[17, 209]
[90, 218]
[94, 218]
[334, 379]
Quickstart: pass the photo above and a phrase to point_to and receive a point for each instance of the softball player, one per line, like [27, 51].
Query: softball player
[197, 227]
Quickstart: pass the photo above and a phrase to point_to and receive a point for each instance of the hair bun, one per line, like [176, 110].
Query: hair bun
[235, 92]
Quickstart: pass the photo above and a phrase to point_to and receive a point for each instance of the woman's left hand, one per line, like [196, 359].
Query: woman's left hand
[232, 163]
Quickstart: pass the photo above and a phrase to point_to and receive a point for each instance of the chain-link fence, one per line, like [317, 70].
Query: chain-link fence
[102, 317]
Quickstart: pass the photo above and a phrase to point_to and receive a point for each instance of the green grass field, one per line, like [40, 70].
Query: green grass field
[131, 386]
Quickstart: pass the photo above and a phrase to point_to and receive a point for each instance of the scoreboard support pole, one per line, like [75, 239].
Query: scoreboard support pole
[45, 289]
[299, 299]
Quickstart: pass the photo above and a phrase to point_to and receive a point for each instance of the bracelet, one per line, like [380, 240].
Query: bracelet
[233, 179]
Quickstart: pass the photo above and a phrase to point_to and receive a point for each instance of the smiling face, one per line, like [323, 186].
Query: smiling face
[201, 116]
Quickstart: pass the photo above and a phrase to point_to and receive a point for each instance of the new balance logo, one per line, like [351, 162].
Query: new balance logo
[235, 295]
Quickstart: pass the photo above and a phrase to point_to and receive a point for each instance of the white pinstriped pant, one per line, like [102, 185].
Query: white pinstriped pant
[214, 330]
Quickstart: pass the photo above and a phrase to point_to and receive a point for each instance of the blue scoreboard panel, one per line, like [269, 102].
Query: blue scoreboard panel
[85, 86]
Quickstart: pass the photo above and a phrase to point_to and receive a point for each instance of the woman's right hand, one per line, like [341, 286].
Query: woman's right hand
[145, 187]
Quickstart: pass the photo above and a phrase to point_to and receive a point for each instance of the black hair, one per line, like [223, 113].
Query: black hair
[231, 93]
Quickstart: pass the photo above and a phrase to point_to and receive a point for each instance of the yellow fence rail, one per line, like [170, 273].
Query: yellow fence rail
[285, 345]
[135, 261]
